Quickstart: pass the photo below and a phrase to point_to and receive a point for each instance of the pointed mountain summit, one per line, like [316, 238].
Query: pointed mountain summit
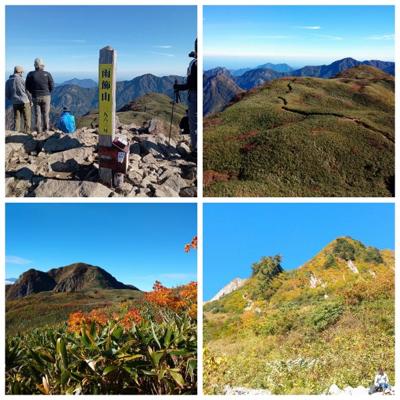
[71, 278]
[343, 262]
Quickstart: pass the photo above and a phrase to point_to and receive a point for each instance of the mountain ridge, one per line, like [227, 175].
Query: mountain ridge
[309, 329]
[296, 134]
[254, 77]
[70, 278]
[347, 253]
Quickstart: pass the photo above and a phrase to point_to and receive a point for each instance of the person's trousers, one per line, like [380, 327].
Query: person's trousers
[42, 113]
[192, 114]
[24, 111]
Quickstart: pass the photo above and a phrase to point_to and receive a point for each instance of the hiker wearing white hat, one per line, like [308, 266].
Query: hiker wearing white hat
[16, 93]
[40, 84]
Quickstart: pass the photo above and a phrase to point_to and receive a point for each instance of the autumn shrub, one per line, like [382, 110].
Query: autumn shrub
[182, 298]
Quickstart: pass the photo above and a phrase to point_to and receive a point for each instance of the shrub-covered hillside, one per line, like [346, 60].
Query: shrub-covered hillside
[331, 321]
[305, 137]
[145, 344]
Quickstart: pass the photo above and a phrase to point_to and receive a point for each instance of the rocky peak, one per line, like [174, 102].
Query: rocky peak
[229, 288]
[71, 278]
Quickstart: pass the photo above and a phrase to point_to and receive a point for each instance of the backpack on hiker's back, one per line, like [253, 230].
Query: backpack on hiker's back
[67, 122]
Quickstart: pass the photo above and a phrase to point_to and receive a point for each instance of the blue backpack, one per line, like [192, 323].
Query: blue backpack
[67, 122]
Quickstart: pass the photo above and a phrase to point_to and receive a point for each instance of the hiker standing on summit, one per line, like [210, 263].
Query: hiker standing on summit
[40, 84]
[191, 87]
[20, 99]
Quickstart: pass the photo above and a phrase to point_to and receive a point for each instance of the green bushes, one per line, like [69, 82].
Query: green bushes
[145, 359]
[344, 249]
[330, 261]
[265, 271]
[372, 254]
[325, 315]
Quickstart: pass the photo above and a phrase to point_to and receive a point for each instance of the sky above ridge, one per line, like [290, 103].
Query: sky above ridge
[148, 39]
[237, 235]
[247, 36]
[136, 243]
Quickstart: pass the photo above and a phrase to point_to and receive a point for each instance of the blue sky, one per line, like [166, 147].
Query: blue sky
[136, 243]
[148, 39]
[237, 235]
[246, 36]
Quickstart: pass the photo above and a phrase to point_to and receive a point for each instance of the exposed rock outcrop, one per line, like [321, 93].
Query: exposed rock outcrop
[57, 165]
[229, 288]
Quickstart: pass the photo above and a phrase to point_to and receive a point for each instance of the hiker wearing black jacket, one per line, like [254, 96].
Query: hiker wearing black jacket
[191, 87]
[40, 84]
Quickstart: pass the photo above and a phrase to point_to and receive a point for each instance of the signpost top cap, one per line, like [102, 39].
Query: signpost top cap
[109, 48]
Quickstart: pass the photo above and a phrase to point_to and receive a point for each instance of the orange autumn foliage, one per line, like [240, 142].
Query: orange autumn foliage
[183, 298]
[133, 316]
[191, 245]
[78, 319]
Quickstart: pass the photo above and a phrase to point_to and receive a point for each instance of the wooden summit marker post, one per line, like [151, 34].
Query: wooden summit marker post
[107, 105]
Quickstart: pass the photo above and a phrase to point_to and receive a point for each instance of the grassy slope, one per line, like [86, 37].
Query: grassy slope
[152, 105]
[255, 147]
[304, 339]
[48, 308]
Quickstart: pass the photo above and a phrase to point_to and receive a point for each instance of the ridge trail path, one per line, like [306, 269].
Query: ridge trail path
[334, 114]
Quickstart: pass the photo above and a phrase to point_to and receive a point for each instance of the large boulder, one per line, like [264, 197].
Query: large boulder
[20, 142]
[60, 142]
[64, 188]
[71, 160]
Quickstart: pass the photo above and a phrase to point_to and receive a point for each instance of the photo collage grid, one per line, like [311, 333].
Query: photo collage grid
[199, 199]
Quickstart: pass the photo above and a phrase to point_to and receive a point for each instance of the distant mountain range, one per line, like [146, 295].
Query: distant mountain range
[80, 96]
[219, 88]
[302, 136]
[80, 100]
[224, 85]
[84, 83]
[71, 278]
[10, 281]
[274, 67]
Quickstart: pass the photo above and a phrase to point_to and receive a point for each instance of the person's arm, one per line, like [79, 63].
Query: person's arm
[28, 83]
[20, 86]
[385, 377]
[8, 90]
[376, 380]
[51, 83]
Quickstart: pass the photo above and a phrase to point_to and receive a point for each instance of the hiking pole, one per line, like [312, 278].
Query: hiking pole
[175, 100]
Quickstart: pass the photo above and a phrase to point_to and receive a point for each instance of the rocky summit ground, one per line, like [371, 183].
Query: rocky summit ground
[54, 164]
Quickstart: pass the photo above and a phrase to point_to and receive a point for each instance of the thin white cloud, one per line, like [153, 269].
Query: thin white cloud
[381, 37]
[164, 46]
[162, 54]
[17, 260]
[309, 27]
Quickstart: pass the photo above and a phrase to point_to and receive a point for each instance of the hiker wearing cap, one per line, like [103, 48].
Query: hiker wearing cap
[40, 84]
[20, 99]
[191, 87]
